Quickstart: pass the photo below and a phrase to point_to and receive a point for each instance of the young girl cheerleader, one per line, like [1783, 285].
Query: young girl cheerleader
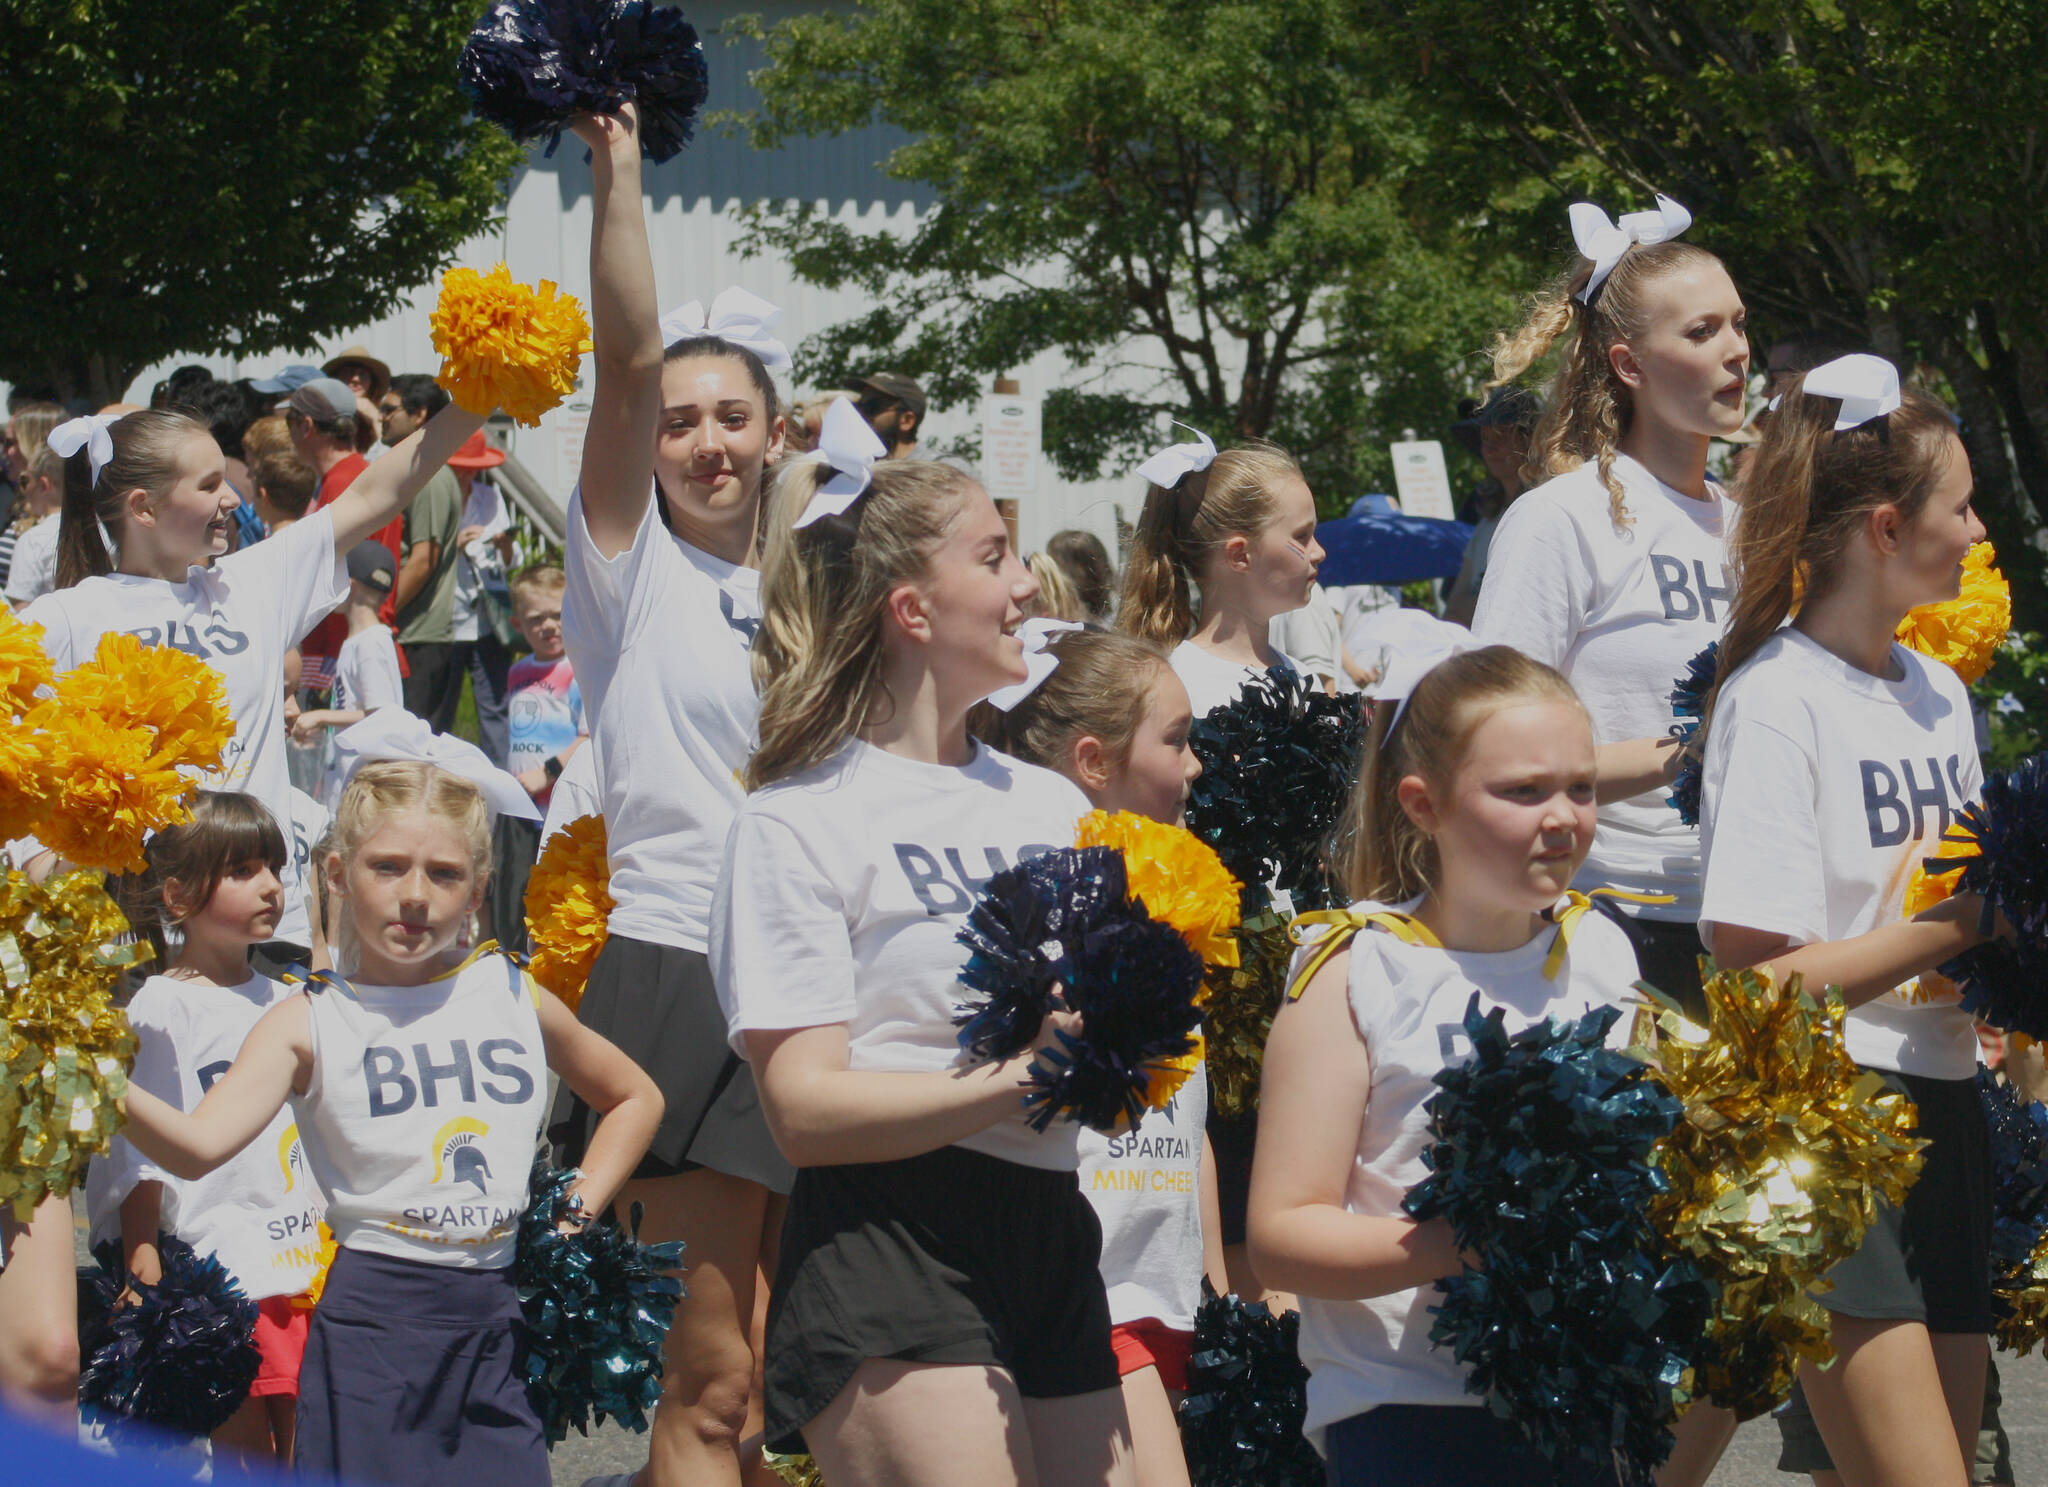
[1240, 527]
[154, 484]
[938, 1285]
[662, 603]
[1613, 569]
[1834, 761]
[216, 882]
[417, 1087]
[1114, 719]
[1473, 812]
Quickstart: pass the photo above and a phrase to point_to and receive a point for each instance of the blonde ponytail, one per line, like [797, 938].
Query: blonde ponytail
[1182, 527]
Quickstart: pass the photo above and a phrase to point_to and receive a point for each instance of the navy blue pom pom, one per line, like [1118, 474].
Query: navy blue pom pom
[2010, 825]
[1689, 700]
[2019, 1174]
[181, 1357]
[1576, 1325]
[530, 66]
[1062, 925]
[1247, 1398]
[1277, 766]
[598, 1306]
[2001, 983]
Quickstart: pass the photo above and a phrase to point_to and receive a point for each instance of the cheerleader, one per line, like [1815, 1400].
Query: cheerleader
[662, 603]
[417, 1083]
[1835, 759]
[937, 1315]
[1613, 569]
[1473, 811]
[1240, 527]
[1113, 718]
[143, 549]
[217, 880]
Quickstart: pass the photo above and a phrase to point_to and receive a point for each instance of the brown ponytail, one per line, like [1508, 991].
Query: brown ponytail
[146, 450]
[1589, 408]
[1806, 492]
[1183, 525]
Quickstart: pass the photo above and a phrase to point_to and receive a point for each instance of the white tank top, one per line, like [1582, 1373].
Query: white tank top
[1145, 1186]
[424, 1110]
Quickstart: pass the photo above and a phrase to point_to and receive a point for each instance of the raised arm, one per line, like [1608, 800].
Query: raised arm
[625, 319]
[276, 1056]
[388, 486]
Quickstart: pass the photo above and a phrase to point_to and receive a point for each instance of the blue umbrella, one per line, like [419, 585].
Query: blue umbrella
[1390, 548]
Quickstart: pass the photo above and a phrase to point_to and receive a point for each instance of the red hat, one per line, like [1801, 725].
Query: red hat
[475, 454]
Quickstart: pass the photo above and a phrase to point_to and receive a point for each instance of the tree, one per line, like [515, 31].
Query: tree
[1224, 211]
[1875, 170]
[232, 175]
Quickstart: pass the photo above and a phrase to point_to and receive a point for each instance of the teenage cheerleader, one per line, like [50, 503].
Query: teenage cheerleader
[1113, 718]
[154, 485]
[217, 880]
[417, 1086]
[661, 607]
[1240, 528]
[938, 1285]
[1473, 812]
[1614, 568]
[1835, 759]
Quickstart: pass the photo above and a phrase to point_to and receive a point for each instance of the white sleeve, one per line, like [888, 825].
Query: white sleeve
[1538, 582]
[609, 601]
[291, 581]
[380, 685]
[58, 642]
[33, 572]
[1760, 833]
[781, 954]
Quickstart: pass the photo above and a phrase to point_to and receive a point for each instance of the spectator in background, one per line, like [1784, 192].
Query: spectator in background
[427, 572]
[321, 418]
[363, 374]
[547, 730]
[1086, 563]
[893, 405]
[284, 487]
[481, 620]
[266, 436]
[1056, 599]
[224, 408]
[31, 557]
[286, 382]
[1499, 432]
[29, 424]
[178, 389]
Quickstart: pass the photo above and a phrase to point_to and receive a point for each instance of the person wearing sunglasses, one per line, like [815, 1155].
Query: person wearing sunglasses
[893, 405]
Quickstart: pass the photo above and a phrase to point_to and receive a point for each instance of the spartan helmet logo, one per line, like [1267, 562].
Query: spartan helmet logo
[456, 1155]
[291, 1157]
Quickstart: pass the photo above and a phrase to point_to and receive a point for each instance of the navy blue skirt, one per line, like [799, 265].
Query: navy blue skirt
[413, 1375]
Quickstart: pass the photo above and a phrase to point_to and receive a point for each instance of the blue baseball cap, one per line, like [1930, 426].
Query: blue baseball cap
[291, 379]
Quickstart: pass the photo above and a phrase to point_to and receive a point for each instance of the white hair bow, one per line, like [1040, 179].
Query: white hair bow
[1420, 645]
[1166, 468]
[848, 445]
[736, 316]
[1867, 385]
[90, 434]
[1604, 241]
[394, 733]
[1039, 661]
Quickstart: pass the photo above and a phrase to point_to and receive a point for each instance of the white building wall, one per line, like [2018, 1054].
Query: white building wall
[693, 207]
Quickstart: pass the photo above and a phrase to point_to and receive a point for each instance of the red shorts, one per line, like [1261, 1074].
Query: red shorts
[1150, 1343]
[280, 1343]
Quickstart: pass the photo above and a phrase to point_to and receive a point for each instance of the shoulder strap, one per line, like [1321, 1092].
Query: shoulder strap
[1344, 925]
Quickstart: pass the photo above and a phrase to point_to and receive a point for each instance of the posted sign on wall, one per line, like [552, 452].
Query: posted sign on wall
[1010, 446]
[1423, 482]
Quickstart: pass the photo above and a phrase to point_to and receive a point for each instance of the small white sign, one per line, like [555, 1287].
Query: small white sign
[1422, 480]
[1010, 445]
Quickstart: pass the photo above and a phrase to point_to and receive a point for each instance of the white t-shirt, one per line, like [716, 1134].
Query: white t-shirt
[259, 1212]
[366, 672]
[1313, 636]
[34, 570]
[1408, 1006]
[239, 616]
[1356, 604]
[659, 637]
[1824, 787]
[309, 823]
[844, 890]
[1145, 1186]
[1213, 682]
[1620, 611]
[574, 795]
[423, 1111]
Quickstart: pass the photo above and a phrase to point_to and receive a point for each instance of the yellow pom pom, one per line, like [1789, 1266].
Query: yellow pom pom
[506, 346]
[1776, 1168]
[309, 1298]
[65, 1048]
[1177, 876]
[1238, 1003]
[25, 668]
[1965, 631]
[568, 904]
[1924, 890]
[126, 734]
[1164, 1077]
[26, 775]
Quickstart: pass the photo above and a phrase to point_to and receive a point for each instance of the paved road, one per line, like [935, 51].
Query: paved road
[1752, 1461]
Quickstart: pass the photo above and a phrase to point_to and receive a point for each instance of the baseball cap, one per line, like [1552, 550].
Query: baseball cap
[369, 564]
[323, 400]
[291, 379]
[895, 386]
[1505, 407]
